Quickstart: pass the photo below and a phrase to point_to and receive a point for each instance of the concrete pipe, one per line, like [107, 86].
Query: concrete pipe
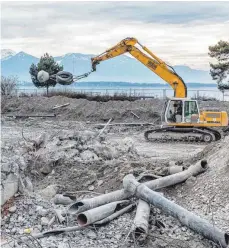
[175, 169]
[91, 216]
[186, 217]
[119, 195]
[97, 201]
[141, 221]
[61, 199]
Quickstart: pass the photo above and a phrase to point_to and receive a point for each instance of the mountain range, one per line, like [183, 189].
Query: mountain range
[119, 69]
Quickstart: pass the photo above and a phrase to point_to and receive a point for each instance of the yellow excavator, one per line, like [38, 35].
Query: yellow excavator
[181, 120]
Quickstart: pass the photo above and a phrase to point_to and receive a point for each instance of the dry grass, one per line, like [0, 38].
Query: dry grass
[203, 98]
[92, 97]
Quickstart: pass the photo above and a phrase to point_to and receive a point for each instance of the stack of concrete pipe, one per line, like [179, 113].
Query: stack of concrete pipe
[101, 209]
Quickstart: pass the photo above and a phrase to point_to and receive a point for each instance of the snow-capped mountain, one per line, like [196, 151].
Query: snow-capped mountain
[18, 65]
[119, 69]
[7, 53]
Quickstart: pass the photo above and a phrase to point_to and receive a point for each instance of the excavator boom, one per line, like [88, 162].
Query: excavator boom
[150, 60]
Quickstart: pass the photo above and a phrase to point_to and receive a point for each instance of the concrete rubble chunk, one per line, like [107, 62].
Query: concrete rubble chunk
[12, 209]
[28, 184]
[100, 182]
[91, 234]
[91, 188]
[42, 212]
[44, 221]
[88, 155]
[6, 167]
[49, 192]
[3, 176]
[63, 245]
[14, 168]
[46, 169]
[25, 185]
[9, 187]
[190, 181]
[22, 163]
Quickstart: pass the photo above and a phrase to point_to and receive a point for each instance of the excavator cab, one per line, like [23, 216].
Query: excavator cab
[181, 110]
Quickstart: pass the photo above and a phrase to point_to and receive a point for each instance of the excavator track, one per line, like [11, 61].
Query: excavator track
[182, 135]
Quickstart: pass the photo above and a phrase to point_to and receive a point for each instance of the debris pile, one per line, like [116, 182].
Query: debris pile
[82, 146]
[71, 159]
[71, 195]
[65, 216]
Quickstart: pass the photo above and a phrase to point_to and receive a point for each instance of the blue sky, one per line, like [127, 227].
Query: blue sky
[178, 32]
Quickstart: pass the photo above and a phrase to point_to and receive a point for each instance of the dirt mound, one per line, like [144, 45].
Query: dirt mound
[84, 110]
[208, 194]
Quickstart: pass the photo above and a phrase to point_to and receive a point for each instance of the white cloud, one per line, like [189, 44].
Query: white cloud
[59, 28]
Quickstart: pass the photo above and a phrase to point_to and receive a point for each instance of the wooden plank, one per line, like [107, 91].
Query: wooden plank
[135, 114]
[117, 124]
[60, 106]
[27, 116]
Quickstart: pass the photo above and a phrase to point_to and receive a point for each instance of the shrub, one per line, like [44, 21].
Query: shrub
[204, 98]
[92, 97]
[8, 85]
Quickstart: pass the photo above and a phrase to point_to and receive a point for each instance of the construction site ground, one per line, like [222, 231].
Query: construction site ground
[98, 164]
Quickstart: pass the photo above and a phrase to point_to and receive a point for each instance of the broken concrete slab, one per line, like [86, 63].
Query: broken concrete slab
[49, 192]
[88, 155]
[9, 187]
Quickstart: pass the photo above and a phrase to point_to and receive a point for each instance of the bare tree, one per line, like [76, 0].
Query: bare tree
[8, 85]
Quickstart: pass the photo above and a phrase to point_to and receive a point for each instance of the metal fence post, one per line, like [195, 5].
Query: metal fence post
[164, 93]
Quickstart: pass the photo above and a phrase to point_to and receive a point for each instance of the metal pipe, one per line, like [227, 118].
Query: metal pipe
[186, 217]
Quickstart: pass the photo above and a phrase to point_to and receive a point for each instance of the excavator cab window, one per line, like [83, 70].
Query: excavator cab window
[191, 112]
[174, 111]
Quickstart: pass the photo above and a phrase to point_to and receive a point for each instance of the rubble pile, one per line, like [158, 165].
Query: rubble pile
[76, 159]
[51, 172]
[82, 146]
[40, 211]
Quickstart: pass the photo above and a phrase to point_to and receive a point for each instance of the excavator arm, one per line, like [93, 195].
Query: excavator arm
[150, 60]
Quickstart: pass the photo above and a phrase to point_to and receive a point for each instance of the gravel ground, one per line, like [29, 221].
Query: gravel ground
[97, 166]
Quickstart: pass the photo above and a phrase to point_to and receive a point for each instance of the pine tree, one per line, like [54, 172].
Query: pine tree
[220, 70]
[48, 64]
